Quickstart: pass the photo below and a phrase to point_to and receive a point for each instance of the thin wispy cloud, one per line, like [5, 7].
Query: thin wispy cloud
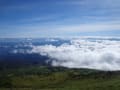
[38, 17]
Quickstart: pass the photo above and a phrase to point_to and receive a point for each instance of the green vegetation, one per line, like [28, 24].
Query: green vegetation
[58, 78]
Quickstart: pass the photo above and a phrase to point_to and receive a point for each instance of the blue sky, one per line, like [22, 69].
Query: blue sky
[48, 18]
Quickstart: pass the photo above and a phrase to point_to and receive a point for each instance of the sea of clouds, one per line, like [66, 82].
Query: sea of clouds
[102, 54]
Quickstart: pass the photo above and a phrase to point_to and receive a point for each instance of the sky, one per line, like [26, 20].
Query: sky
[50, 18]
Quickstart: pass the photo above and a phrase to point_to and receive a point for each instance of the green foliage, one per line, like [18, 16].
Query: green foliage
[5, 81]
[58, 78]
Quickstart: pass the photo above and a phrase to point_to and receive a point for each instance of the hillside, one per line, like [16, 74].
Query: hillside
[58, 78]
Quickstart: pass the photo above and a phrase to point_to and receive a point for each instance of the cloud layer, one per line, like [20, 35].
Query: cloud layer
[83, 53]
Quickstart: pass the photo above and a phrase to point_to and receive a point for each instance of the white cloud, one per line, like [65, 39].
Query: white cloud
[70, 16]
[92, 27]
[81, 53]
[102, 4]
[64, 30]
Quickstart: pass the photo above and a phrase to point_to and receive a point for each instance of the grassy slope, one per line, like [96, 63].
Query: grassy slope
[47, 78]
